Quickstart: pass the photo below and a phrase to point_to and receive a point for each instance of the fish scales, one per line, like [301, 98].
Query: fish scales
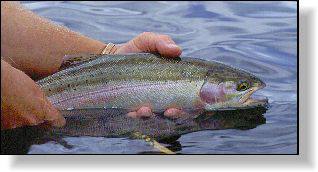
[108, 80]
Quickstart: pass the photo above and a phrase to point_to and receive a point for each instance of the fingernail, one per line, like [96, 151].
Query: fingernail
[173, 46]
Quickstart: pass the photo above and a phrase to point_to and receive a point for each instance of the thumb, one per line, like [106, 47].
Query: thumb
[152, 42]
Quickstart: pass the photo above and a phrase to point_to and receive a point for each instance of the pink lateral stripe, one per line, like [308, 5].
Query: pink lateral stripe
[101, 95]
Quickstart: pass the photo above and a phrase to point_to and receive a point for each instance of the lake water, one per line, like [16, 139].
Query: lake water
[260, 37]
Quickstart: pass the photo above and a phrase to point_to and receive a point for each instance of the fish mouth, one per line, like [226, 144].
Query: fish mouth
[247, 98]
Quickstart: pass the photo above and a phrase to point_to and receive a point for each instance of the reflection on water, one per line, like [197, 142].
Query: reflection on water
[260, 37]
[115, 123]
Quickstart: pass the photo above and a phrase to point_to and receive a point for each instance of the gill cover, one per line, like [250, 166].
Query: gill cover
[212, 93]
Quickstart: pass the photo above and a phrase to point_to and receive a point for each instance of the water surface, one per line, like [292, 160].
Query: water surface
[260, 37]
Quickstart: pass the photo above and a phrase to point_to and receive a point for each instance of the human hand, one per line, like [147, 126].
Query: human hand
[150, 42]
[22, 101]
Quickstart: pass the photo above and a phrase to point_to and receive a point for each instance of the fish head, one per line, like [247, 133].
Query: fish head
[226, 87]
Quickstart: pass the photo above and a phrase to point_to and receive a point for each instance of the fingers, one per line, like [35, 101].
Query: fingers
[173, 113]
[23, 102]
[43, 110]
[147, 112]
[151, 42]
[141, 112]
[168, 49]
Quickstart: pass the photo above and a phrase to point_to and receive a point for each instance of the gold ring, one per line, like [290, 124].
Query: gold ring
[109, 49]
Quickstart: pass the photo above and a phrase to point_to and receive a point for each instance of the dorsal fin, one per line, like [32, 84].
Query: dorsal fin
[73, 60]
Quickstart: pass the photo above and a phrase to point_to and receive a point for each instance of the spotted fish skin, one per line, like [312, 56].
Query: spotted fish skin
[126, 81]
[134, 80]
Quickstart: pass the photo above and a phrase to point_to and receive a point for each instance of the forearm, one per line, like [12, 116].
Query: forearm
[35, 45]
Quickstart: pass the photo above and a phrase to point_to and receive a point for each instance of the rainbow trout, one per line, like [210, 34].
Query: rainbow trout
[85, 90]
[135, 80]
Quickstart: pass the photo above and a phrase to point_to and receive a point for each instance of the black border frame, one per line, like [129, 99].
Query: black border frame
[298, 123]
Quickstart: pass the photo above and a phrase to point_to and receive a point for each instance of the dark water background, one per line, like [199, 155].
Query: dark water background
[260, 37]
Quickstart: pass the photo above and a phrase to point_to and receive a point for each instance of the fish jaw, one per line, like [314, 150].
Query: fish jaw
[246, 98]
[250, 101]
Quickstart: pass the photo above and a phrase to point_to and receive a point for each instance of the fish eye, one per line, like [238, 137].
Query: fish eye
[242, 86]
